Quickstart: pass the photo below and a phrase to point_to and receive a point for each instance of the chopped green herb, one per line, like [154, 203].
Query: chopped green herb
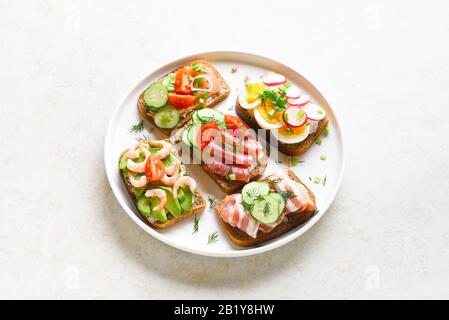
[316, 180]
[212, 202]
[197, 68]
[266, 209]
[300, 114]
[247, 207]
[213, 237]
[320, 111]
[143, 137]
[277, 97]
[201, 102]
[271, 112]
[137, 127]
[286, 116]
[288, 129]
[197, 82]
[326, 131]
[231, 108]
[287, 195]
[248, 85]
[324, 181]
[232, 177]
[294, 161]
[196, 225]
[323, 157]
[318, 141]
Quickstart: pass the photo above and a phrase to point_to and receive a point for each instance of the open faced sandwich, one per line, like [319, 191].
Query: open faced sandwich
[225, 147]
[266, 209]
[159, 184]
[273, 103]
[169, 102]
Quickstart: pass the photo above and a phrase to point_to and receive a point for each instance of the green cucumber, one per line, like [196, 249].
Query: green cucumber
[187, 199]
[185, 136]
[156, 96]
[207, 114]
[172, 204]
[195, 118]
[254, 190]
[193, 134]
[268, 209]
[123, 162]
[143, 204]
[167, 117]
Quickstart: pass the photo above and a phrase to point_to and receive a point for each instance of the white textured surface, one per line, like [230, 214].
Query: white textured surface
[65, 65]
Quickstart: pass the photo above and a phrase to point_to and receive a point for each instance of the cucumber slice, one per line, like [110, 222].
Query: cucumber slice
[143, 204]
[167, 117]
[269, 209]
[254, 190]
[156, 95]
[195, 118]
[207, 114]
[193, 134]
[185, 136]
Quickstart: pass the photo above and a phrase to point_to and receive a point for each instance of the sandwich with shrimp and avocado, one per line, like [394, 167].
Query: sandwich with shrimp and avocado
[159, 184]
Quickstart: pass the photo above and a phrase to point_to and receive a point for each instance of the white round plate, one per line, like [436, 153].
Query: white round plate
[181, 236]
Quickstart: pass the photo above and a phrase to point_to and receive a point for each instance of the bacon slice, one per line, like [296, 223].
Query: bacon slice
[232, 212]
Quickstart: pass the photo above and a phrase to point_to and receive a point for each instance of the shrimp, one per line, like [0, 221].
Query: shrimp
[133, 154]
[138, 183]
[184, 181]
[160, 194]
[173, 168]
[170, 180]
[164, 152]
[136, 167]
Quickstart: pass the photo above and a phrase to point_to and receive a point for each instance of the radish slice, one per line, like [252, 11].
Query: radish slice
[301, 101]
[209, 82]
[294, 116]
[293, 92]
[274, 79]
[314, 112]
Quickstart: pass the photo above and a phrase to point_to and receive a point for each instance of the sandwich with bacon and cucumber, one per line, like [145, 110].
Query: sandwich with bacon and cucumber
[266, 209]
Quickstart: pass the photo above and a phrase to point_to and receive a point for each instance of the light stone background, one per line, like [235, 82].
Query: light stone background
[64, 66]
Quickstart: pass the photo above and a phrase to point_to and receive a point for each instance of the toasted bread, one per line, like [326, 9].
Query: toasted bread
[294, 149]
[198, 206]
[211, 101]
[294, 219]
[225, 184]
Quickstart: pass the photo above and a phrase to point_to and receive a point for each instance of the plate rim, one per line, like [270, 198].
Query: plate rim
[277, 243]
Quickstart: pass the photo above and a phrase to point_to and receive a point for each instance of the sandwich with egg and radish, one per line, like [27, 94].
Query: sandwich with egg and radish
[266, 209]
[169, 102]
[274, 104]
[159, 183]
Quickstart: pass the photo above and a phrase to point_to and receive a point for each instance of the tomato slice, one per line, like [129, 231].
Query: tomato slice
[234, 122]
[204, 141]
[154, 169]
[182, 82]
[181, 101]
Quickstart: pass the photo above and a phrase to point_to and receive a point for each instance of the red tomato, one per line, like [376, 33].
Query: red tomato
[181, 101]
[182, 82]
[154, 169]
[204, 141]
[234, 122]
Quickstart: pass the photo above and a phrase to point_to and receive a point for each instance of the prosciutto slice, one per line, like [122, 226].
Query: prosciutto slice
[227, 156]
[222, 169]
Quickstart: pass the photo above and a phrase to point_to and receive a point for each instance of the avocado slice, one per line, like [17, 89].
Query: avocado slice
[172, 204]
[143, 204]
[187, 199]
[123, 162]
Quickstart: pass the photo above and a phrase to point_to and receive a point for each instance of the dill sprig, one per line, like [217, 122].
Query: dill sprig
[212, 202]
[196, 225]
[213, 237]
[247, 207]
[137, 127]
[324, 181]
[143, 137]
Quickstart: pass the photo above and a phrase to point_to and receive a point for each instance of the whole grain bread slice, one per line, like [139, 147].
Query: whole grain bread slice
[198, 205]
[294, 149]
[212, 100]
[294, 219]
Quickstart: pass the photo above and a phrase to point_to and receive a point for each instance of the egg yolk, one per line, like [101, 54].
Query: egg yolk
[253, 91]
[267, 109]
[291, 132]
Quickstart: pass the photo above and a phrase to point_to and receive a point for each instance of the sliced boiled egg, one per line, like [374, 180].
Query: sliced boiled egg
[289, 135]
[267, 118]
[249, 94]
[314, 112]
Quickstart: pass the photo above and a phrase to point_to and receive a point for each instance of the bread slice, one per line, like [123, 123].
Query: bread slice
[294, 220]
[294, 149]
[225, 184]
[198, 205]
[223, 92]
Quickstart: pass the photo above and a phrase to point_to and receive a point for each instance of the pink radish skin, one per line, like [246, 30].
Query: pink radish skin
[301, 101]
[292, 112]
[293, 93]
[274, 79]
[311, 109]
